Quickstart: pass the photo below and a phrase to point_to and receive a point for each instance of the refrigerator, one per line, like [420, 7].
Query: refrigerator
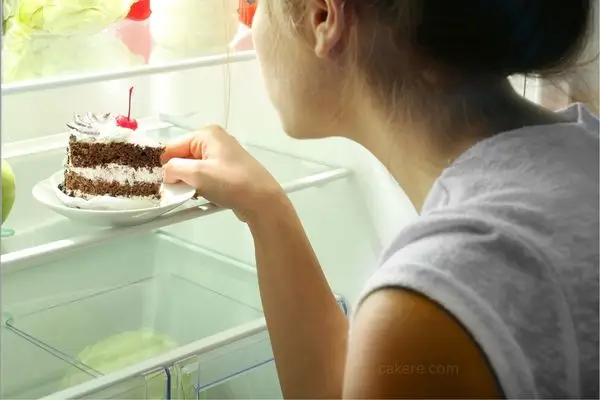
[186, 279]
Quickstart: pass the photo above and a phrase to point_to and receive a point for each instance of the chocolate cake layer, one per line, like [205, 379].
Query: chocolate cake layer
[93, 154]
[76, 183]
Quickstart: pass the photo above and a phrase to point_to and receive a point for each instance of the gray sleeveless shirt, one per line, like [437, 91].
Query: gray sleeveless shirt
[507, 242]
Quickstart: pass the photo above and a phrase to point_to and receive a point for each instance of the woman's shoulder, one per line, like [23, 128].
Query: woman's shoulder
[577, 136]
[529, 173]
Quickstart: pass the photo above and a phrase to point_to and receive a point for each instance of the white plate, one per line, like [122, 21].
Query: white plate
[47, 193]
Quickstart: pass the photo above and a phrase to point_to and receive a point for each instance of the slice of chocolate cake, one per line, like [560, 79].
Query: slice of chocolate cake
[109, 157]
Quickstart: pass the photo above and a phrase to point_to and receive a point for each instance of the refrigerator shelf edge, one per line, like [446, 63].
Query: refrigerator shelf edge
[82, 79]
[58, 248]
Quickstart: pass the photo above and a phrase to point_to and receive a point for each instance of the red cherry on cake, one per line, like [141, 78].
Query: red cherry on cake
[127, 121]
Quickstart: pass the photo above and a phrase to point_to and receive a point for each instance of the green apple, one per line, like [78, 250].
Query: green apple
[8, 190]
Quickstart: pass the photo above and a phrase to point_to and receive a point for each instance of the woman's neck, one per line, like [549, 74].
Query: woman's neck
[417, 148]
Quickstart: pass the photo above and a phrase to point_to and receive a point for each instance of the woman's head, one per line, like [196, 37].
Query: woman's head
[326, 61]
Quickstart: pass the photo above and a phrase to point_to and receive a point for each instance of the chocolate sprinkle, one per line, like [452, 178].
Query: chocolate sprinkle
[88, 124]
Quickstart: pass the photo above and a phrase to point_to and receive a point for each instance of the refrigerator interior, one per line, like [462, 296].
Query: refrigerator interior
[194, 280]
[190, 280]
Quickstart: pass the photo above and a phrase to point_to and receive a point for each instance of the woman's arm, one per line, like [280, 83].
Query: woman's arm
[403, 345]
[308, 330]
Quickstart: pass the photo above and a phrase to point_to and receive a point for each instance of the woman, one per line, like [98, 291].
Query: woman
[498, 278]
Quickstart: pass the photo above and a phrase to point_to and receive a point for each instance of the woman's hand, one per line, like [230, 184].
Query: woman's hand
[222, 171]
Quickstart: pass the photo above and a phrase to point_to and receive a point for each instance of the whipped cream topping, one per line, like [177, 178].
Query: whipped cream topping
[103, 128]
[85, 201]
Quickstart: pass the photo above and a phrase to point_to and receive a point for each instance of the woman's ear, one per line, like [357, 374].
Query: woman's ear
[327, 20]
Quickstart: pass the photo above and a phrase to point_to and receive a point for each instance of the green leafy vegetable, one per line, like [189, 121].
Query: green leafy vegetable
[26, 56]
[8, 7]
[126, 349]
[65, 17]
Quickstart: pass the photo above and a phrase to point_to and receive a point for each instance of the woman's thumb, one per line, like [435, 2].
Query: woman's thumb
[183, 170]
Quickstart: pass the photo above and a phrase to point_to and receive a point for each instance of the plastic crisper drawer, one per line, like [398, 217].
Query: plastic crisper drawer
[33, 372]
[243, 369]
[229, 372]
[111, 298]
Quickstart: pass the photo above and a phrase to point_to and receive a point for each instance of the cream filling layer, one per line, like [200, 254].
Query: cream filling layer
[120, 173]
[115, 202]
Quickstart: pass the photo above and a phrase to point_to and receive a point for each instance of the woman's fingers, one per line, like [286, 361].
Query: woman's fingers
[189, 146]
[193, 145]
[183, 170]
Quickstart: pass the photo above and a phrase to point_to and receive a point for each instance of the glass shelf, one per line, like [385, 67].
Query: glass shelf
[115, 306]
[34, 224]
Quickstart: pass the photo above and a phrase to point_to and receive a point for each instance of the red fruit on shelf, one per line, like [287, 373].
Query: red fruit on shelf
[139, 11]
[247, 10]
[127, 121]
